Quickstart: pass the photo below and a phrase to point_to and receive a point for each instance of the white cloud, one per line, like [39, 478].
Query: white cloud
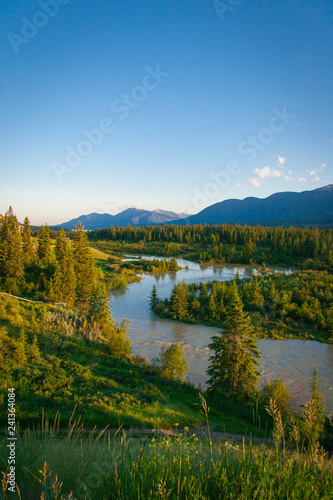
[315, 179]
[320, 169]
[302, 179]
[267, 172]
[259, 175]
[255, 182]
[282, 160]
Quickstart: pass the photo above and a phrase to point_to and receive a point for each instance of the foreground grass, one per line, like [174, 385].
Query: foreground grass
[91, 466]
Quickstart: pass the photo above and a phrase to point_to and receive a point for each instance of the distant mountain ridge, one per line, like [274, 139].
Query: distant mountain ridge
[305, 208]
[131, 216]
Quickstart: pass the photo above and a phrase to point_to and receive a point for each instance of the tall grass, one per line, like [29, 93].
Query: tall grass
[77, 464]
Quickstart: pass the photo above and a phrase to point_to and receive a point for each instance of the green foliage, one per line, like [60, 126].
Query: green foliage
[171, 362]
[78, 463]
[276, 390]
[327, 438]
[28, 251]
[223, 243]
[44, 245]
[179, 300]
[298, 305]
[11, 254]
[56, 358]
[153, 301]
[83, 267]
[64, 280]
[61, 245]
[233, 370]
[312, 418]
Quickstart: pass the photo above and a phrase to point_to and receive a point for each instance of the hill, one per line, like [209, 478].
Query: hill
[131, 216]
[59, 363]
[306, 208]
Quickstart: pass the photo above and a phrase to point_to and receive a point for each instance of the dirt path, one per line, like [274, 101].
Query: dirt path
[199, 431]
[58, 304]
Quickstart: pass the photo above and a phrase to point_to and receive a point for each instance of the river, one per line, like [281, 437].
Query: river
[292, 360]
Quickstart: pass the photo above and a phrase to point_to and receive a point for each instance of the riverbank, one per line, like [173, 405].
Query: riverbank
[294, 306]
[291, 360]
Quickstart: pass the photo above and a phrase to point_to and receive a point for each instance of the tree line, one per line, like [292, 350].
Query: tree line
[225, 243]
[298, 305]
[61, 271]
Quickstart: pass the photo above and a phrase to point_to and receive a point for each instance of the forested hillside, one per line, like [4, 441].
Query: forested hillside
[312, 248]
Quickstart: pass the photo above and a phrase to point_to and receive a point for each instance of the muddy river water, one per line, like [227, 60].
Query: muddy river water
[293, 360]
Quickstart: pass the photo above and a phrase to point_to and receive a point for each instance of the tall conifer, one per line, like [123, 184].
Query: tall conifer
[64, 283]
[83, 266]
[28, 251]
[44, 245]
[233, 370]
[11, 255]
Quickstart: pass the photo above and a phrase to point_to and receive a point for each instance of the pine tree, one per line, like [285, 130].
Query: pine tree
[28, 251]
[64, 281]
[11, 255]
[61, 245]
[154, 299]
[233, 370]
[44, 245]
[99, 309]
[83, 266]
[179, 300]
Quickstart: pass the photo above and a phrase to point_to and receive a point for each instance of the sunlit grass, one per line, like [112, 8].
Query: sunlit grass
[97, 254]
[52, 464]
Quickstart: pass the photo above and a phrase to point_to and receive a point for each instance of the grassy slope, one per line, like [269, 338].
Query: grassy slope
[67, 370]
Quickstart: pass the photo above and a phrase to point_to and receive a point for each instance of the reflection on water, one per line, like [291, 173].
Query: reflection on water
[292, 360]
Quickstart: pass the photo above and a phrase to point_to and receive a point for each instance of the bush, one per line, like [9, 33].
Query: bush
[278, 392]
[171, 362]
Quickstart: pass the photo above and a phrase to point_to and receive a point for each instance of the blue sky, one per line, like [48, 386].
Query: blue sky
[173, 105]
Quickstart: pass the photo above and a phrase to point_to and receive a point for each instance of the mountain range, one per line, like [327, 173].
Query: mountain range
[287, 208]
[306, 208]
[131, 216]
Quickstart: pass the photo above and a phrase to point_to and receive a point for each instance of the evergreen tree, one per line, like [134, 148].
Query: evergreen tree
[11, 254]
[64, 281]
[28, 251]
[99, 309]
[44, 245]
[154, 299]
[233, 370]
[83, 266]
[60, 245]
[179, 300]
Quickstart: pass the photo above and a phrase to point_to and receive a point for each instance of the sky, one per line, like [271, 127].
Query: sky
[175, 105]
